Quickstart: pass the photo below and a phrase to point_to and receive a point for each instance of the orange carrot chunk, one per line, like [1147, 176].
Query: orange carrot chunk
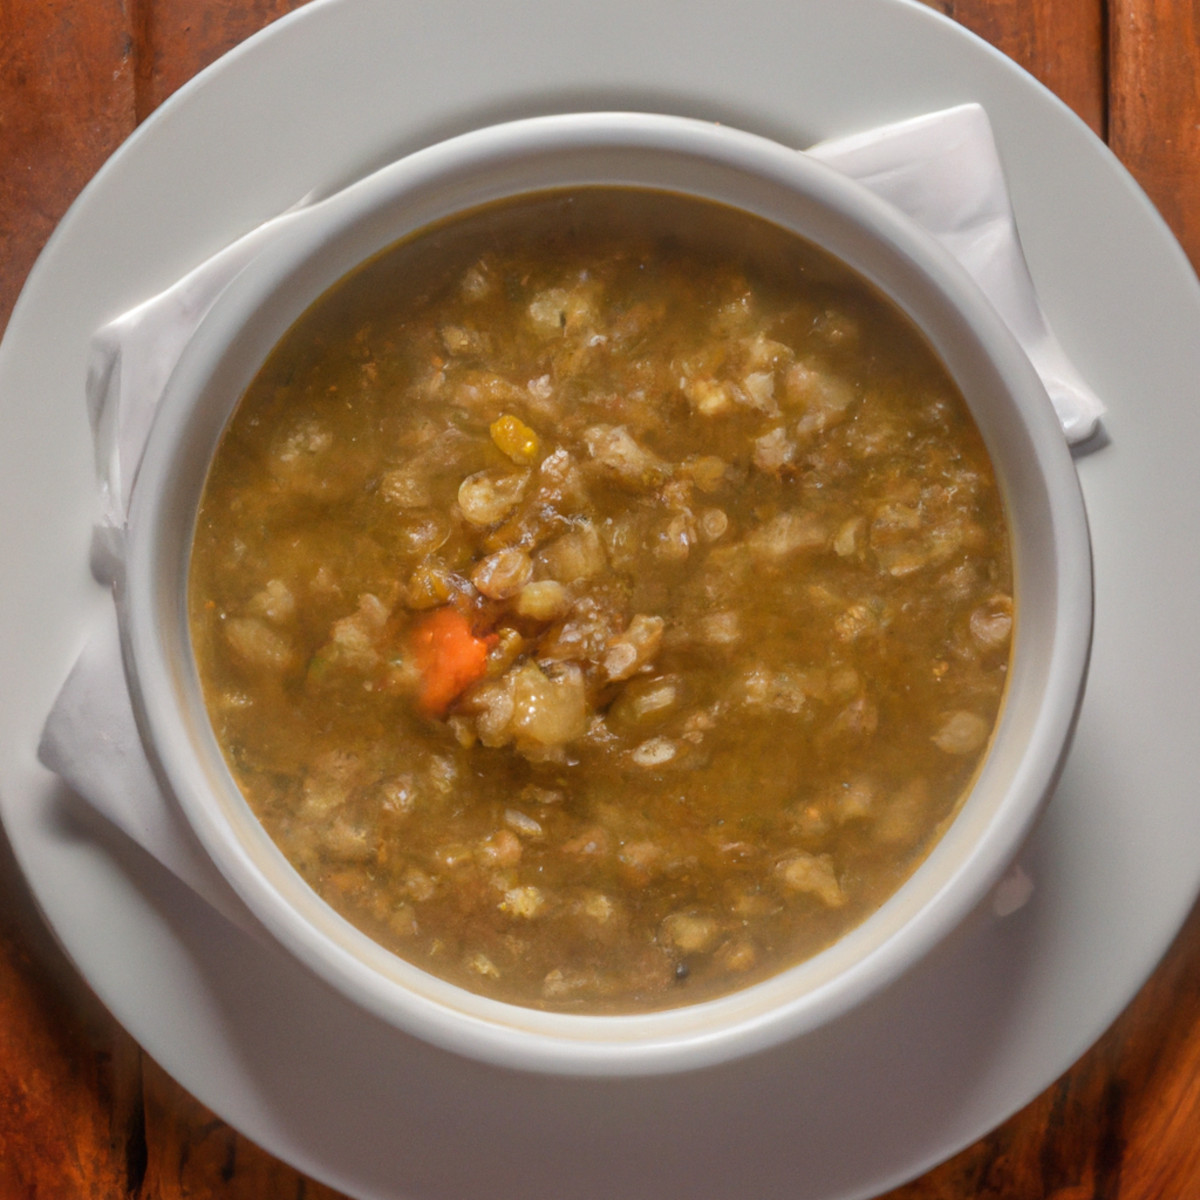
[449, 658]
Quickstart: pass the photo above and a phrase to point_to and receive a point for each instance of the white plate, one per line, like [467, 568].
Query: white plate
[983, 1026]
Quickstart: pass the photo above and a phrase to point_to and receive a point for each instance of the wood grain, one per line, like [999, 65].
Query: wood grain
[70, 1107]
[66, 103]
[192, 1155]
[1123, 1124]
[1061, 43]
[70, 1078]
[175, 39]
[83, 1113]
[1154, 108]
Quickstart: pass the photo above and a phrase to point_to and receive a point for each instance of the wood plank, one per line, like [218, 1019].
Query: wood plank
[70, 1109]
[1061, 43]
[1154, 110]
[178, 38]
[66, 103]
[70, 1103]
[1154, 1056]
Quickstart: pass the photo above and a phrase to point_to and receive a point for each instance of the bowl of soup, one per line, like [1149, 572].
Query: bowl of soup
[607, 592]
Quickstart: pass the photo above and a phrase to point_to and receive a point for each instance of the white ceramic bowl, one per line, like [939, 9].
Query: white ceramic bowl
[1044, 506]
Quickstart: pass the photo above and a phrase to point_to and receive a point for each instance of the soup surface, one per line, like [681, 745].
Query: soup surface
[603, 601]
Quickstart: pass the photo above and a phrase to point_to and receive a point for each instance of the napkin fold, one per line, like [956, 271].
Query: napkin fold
[91, 741]
[942, 169]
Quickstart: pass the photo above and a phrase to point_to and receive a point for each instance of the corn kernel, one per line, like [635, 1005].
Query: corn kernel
[515, 439]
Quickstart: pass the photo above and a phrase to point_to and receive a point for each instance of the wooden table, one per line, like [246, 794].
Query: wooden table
[83, 1112]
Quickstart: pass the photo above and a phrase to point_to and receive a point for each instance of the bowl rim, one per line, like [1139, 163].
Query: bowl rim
[692, 1036]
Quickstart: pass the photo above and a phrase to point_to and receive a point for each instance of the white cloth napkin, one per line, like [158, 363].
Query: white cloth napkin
[942, 169]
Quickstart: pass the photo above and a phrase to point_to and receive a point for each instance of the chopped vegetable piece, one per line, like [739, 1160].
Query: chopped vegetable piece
[514, 438]
[449, 658]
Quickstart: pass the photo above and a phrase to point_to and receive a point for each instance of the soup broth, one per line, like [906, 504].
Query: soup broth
[603, 599]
